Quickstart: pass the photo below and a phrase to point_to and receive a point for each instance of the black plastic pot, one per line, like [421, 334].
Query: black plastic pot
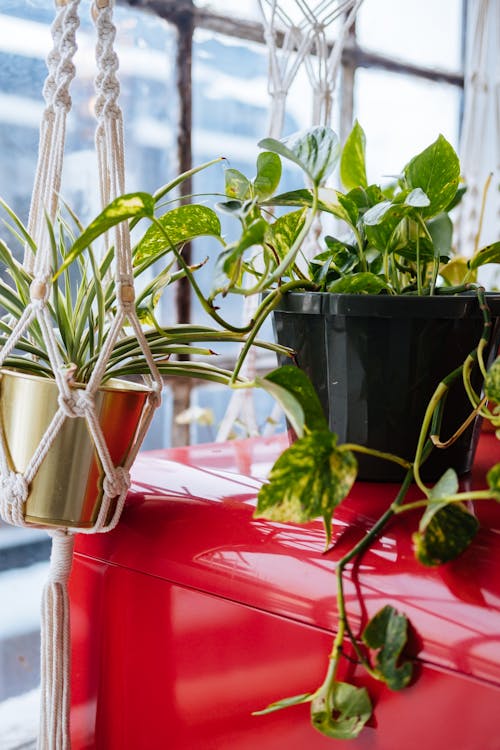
[375, 362]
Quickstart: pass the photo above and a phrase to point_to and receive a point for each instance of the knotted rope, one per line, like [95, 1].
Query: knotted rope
[295, 34]
[74, 403]
[480, 139]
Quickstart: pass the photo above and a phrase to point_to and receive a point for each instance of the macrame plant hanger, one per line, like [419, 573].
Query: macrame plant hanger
[480, 139]
[292, 43]
[74, 403]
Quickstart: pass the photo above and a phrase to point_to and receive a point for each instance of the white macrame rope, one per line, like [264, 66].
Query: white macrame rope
[480, 141]
[300, 39]
[74, 403]
[61, 72]
[54, 731]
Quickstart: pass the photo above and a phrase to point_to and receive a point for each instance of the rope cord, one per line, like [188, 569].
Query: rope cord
[301, 38]
[54, 731]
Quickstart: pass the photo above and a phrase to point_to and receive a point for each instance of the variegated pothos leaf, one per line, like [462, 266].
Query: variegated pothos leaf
[308, 481]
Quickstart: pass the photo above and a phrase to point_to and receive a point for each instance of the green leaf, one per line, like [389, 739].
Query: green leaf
[236, 185]
[268, 175]
[445, 486]
[315, 150]
[387, 632]
[447, 533]
[283, 232]
[417, 199]
[308, 481]
[302, 197]
[488, 254]
[228, 264]
[20, 277]
[338, 260]
[363, 282]
[290, 405]
[440, 229]
[295, 700]
[352, 161]
[384, 211]
[132, 205]
[492, 381]
[350, 208]
[493, 478]
[296, 382]
[342, 713]
[436, 170]
[180, 225]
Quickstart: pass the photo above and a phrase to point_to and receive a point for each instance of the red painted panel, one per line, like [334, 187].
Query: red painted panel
[190, 615]
[157, 665]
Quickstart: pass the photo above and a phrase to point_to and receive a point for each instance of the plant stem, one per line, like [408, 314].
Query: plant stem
[477, 238]
[266, 306]
[446, 444]
[458, 498]
[289, 258]
[419, 275]
[378, 454]
[209, 309]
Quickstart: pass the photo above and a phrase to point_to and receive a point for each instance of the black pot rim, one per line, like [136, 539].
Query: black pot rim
[463, 305]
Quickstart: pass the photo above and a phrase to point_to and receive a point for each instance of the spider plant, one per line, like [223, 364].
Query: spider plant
[83, 294]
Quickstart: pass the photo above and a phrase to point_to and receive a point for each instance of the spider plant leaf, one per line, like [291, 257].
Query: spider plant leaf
[25, 235]
[21, 278]
[198, 370]
[10, 301]
[97, 288]
[132, 205]
[58, 299]
[28, 366]
[169, 186]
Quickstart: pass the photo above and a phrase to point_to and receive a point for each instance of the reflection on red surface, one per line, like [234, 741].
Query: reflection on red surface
[191, 614]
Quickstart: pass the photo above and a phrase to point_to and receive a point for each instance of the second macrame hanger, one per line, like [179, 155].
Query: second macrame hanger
[302, 30]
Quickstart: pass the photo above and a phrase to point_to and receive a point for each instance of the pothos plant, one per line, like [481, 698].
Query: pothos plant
[313, 477]
[398, 241]
[84, 294]
[395, 239]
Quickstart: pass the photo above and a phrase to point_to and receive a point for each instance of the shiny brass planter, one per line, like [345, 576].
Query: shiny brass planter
[67, 489]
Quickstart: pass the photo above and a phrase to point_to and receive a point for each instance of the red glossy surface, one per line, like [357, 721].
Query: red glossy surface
[190, 615]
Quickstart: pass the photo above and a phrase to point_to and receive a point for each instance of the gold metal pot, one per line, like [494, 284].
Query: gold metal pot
[67, 489]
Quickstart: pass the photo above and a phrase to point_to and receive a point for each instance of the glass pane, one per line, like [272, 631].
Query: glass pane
[230, 115]
[145, 46]
[424, 32]
[402, 115]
